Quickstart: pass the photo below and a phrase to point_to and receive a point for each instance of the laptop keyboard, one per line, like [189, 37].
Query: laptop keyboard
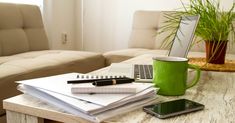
[143, 71]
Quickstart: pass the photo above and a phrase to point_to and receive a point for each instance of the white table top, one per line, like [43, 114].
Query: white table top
[215, 90]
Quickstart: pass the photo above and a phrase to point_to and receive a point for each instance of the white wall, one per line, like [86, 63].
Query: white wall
[97, 25]
[59, 17]
[79, 24]
[107, 23]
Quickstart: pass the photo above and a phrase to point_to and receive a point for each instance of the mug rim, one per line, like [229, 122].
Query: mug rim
[170, 59]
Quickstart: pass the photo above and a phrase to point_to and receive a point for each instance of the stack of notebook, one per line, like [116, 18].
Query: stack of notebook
[85, 83]
[95, 107]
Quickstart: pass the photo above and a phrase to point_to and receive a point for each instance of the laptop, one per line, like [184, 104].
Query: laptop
[179, 48]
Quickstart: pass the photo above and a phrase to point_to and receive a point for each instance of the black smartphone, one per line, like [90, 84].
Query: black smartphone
[173, 108]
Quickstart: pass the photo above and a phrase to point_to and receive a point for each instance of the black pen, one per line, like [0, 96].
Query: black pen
[81, 81]
[112, 81]
[91, 80]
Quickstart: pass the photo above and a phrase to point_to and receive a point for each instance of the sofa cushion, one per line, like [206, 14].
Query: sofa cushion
[144, 29]
[36, 60]
[38, 39]
[144, 38]
[33, 27]
[121, 55]
[43, 63]
[10, 17]
[31, 16]
[0, 48]
[13, 41]
[21, 29]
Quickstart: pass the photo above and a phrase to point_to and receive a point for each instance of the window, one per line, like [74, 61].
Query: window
[34, 2]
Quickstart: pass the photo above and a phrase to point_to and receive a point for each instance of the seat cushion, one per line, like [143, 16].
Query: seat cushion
[43, 63]
[121, 55]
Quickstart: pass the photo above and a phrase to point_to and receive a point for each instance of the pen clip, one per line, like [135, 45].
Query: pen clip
[113, 81]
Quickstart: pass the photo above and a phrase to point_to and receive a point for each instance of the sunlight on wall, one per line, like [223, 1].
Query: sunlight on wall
[31, 2]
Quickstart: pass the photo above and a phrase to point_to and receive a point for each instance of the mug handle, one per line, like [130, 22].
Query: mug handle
[196, 78]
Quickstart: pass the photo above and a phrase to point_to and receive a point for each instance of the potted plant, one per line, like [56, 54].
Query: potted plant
[215, 27]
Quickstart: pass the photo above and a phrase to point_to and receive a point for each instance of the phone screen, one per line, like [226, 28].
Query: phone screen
[172, 108]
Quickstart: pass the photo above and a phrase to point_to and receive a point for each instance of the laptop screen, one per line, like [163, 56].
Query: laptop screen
[184, 36]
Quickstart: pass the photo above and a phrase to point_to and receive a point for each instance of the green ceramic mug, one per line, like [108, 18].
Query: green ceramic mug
[170, 75]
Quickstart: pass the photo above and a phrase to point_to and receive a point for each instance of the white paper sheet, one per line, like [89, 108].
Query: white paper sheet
[76, 110]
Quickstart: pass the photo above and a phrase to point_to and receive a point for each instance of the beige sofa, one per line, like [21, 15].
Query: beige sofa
[143, 38]
[25, 54]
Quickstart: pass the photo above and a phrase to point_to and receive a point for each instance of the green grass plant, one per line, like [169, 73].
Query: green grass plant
[215, 24]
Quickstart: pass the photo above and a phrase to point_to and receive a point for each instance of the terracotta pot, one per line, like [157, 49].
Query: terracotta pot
[216, 54]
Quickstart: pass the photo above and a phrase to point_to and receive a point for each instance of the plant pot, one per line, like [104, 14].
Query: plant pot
[216, 51]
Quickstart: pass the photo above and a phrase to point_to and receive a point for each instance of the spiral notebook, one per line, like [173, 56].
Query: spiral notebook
[110, 89]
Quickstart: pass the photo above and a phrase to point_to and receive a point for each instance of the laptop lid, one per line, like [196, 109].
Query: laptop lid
[179, 47]
[184, 36]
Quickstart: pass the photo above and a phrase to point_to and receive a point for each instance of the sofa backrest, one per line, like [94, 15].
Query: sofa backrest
[144, 32]
[21, 29]
[144, 28]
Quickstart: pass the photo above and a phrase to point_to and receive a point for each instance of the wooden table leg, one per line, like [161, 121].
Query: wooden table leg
[15, 117]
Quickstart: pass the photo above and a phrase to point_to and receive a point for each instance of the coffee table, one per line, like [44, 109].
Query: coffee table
[215, 90]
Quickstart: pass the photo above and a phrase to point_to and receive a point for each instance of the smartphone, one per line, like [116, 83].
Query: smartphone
[173, 108]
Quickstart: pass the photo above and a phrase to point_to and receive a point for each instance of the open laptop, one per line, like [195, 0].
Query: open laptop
[180, 47]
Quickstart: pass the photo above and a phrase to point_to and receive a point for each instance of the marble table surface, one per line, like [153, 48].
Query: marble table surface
[216, 90]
